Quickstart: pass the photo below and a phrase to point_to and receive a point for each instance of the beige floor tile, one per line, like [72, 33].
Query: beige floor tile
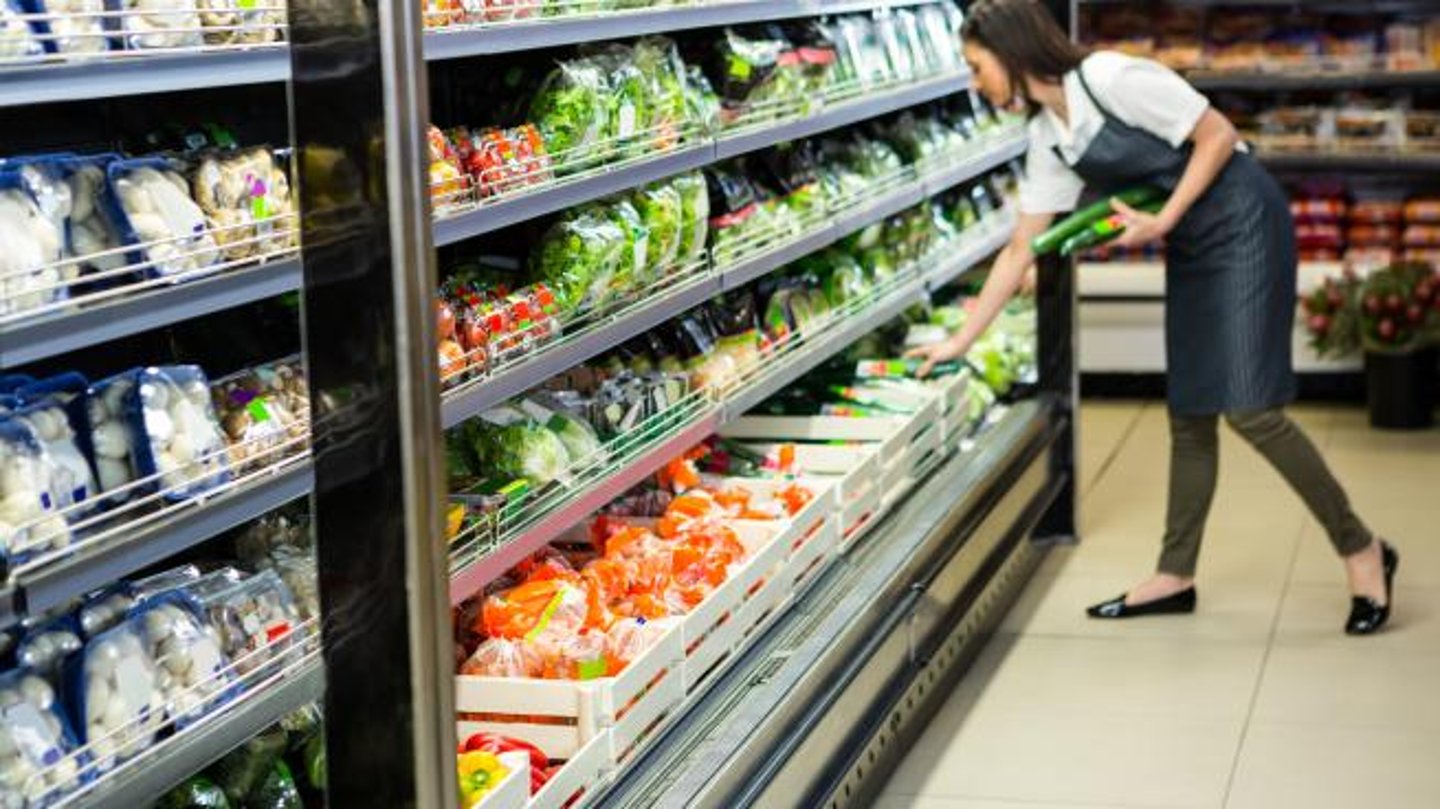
[890, 801]
[1339, 686]
[1104, 429]
[1231, 610]
[1313, 614]
[1096, 759]
[1415, 532]
[1306, 767]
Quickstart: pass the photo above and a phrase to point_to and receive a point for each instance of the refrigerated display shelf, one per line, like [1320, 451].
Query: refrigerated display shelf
[146, 778]
[564, 193]
[141, 73]
[28, 340]
[1315, 80]
[545, 363]
[729, 738]
[33, 590]
[1395, 162]
[548, 32]
[806, 353]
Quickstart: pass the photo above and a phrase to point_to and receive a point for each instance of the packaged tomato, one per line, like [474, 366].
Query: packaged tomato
[1376, 212]
[1318, 209]
[1378, 235]
[447, 180]
[500, 161]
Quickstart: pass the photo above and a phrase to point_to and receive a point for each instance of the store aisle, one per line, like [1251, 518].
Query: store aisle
[1258, 701]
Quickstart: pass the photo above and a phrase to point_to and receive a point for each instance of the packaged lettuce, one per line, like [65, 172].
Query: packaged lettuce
[702, 103]
[572, 113]
[658, 59]
[742, 67]
[628, 102]
[581, 442]
[844, 281]
[661, 208]
[694, 215]
[634, 270]
[577, 259]
[878, 261]
[512, 446]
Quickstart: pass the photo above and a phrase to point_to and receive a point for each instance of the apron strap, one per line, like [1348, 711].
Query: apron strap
[1104, 111]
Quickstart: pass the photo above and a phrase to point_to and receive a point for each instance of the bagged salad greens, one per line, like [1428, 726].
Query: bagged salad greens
[658, 60]
[572, 112]
[694, 215]
[661, 209]
[577, 259]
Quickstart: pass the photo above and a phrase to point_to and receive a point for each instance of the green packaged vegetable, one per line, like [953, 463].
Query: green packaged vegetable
[241, 771]
[572, 113]
[844, 281]
[1103, 230]
[512, 446]
[577, 258]
[197, 792]
[313, 755]
[659, 61]
[1054, 238]
[694, 216]
[629, 103]
[633, 269]
[661, 209]
[277, 791]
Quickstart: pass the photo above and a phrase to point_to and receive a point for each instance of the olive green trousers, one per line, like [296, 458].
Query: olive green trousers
[1194, 464]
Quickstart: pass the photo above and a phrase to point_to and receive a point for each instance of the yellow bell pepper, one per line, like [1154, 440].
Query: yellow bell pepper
[479, 772]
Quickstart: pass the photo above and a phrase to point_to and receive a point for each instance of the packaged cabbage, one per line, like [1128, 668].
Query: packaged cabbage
[844, 280]
[578, 258]
[572, 113]
[512, 446]
[694, 215]
[879, 262]
[702, 103]
[661, 208]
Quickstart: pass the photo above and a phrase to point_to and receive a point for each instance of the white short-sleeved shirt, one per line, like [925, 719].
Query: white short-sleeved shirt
[1142, 93]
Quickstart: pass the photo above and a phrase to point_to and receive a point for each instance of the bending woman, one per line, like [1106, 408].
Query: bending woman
[1108, 122]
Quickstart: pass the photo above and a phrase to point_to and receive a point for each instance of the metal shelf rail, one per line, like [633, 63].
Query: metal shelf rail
[133, 74]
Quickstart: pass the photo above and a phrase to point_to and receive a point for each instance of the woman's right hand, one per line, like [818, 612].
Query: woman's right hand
[949, 349]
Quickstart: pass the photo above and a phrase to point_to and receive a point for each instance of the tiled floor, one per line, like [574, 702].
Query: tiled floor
[1258, 701]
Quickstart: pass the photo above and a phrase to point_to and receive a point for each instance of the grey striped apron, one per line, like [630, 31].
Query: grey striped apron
[1230, 268]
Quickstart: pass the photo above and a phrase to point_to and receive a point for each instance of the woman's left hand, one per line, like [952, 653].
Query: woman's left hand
[1140, 227]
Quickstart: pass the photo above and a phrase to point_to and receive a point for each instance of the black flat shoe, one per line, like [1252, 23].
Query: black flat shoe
[1178, 604]
[1366, 616]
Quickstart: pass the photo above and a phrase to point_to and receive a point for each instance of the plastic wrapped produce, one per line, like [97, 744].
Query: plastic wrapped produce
[694, 216]
[192, 671]
[44, 645]
[37, 759]
[514, 447]
[502, 161]
[629, 104]
[240, 22]
[161, 24]
[198, 792]
[271, 533]
[572, 113]
[577, 258]
[250, 615]
[156, 210]
[257, 413]
[502, 657]
[34, 242]
[105, 609]
[145, 589]
[662, 211]
[29, 521]
[245, 196]
[659, 61]
[633, 270]
[299, 573]
[17, 40]
[114, 689]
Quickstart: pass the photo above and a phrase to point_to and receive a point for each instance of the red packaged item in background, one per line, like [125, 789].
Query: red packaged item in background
[482, 11]
[1423, 255]
[447, 181]
[1318, 236]
[1330, 209]
[503, 161]
[1423, 210]
[1307, 256]
[1372, 235]
[1376, 212]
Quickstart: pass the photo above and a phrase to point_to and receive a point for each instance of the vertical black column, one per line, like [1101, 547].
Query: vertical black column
[1055, 293]
[358, 103]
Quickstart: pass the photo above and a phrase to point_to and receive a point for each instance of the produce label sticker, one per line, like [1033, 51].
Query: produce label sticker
[591, 669]
[627, 120]
[133, 682]
[739, 68]
[257, 410]
[247, 4]
[31, 734]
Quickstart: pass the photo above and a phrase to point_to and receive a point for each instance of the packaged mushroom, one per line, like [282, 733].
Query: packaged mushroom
[160, 24]
[301, 574]
[156, 213]
[193, 673]
[260, 412]
[53, 408]
[73, 27]
[114, 691]
[29, 521]
[17, 41]
[44, 645]
[94, 240]
[246, 197]
[38, 758]
[29, 273]
[271, 533]
[160, 421]
[242, 22]
[255, 618]
[104, 609]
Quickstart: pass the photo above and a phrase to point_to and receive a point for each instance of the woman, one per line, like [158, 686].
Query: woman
[1108, 122]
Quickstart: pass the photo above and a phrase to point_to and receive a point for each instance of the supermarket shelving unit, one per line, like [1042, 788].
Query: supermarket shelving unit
[366, 269]
[1122, 303]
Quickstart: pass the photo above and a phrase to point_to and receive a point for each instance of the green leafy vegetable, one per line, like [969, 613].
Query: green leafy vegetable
[661, 208]
[571, 112]
[578, 258]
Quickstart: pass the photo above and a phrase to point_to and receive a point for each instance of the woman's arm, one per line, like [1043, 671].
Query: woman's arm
[1215, 138]
[1005, 277]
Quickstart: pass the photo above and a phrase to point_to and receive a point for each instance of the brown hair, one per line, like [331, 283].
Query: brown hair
[1024, 36]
